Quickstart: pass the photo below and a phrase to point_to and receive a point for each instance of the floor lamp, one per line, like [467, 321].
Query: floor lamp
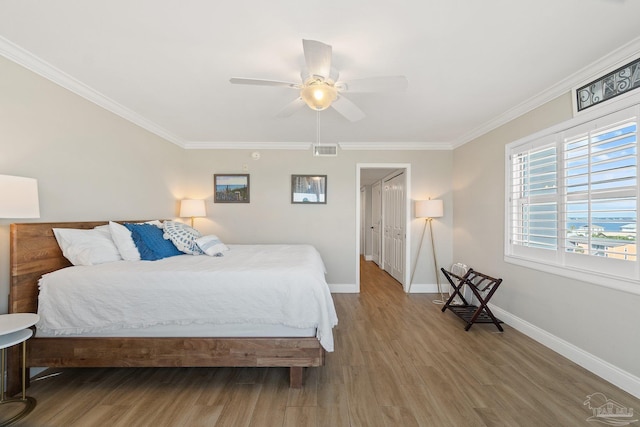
[429, 209]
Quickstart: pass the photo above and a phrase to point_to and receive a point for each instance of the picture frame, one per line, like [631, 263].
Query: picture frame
[231, 188]
[309, 189]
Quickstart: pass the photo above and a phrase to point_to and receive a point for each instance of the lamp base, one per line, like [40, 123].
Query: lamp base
[440, 301]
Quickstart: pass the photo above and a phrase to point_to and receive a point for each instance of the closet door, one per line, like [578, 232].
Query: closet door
[387, 224]
[376, 222]
[394, 225]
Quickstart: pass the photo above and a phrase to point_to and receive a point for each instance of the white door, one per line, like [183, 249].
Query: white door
[387, 220]
[397, 270]
[376, 221]
[394, 226]
[363, 221]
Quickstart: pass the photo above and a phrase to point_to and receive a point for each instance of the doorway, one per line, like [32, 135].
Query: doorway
[395, 192]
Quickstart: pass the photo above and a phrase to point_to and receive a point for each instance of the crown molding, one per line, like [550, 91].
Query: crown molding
[29, 61]
[240, 145]
[265, 145]
[26, 59]
[562, 87]
[395, 145]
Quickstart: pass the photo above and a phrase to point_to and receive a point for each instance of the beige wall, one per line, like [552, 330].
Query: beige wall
[271, 218]
[90, 164]
[93, 165]
[595, 319]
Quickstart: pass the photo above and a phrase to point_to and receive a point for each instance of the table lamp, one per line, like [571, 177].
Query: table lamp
[191, 208]
[18, 197]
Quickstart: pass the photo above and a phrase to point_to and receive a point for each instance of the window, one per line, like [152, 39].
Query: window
[572, 198]
[534, 186]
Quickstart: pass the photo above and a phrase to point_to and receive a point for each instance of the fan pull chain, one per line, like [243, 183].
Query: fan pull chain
[318, 127]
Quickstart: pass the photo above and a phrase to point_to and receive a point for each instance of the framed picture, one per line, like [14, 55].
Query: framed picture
[231, 188]
[309, 189]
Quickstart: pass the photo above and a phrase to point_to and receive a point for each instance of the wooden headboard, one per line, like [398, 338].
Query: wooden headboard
[34, 252]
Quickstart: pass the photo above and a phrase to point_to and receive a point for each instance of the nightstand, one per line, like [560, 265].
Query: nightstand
[15, 329]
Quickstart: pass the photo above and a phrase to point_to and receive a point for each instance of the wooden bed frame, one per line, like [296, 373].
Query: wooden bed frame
[35, 251]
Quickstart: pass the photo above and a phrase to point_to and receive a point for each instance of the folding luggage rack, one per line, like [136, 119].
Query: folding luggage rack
[483, 288]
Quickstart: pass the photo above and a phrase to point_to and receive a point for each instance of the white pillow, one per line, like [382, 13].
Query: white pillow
[211, 245]
[87, 247]
[124, 242]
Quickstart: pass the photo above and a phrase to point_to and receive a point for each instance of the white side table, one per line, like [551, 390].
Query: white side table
[14, 329]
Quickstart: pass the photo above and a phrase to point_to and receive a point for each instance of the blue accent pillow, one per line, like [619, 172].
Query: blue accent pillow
[150, 242]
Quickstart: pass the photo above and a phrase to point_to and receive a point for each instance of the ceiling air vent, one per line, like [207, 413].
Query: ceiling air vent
[325, 150]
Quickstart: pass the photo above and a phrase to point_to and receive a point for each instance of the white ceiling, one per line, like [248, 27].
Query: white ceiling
[166, 64]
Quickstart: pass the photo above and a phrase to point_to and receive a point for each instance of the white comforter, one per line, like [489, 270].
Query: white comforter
[265, 284]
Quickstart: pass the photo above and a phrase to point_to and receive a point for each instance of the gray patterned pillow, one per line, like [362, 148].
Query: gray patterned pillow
[183, 237]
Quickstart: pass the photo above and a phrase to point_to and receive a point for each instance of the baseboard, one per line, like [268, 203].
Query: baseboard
[349, 288]
[368, 258]
[352, 288]
[616, 376]
[423, 288]
[35, 371]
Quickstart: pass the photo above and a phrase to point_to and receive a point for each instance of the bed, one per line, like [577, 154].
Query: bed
[35, 253]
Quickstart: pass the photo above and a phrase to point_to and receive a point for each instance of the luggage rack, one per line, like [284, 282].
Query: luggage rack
[483, 288]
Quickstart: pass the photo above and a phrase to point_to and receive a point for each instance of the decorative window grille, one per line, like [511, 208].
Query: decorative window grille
[618, 82]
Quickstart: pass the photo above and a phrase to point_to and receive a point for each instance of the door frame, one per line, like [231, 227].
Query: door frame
[363, 234]
[407, 240]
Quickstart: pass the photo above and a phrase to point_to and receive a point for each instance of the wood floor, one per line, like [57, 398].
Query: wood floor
[399, 361]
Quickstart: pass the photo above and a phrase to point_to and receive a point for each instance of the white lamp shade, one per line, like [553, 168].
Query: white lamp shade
[191, 208]
[19, 197]
[429, 209]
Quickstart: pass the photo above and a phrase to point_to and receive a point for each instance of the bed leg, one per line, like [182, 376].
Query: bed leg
[295, 376]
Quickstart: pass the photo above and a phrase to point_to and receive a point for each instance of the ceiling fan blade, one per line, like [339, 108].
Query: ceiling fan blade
[375, 84]
[261, 82]
[348, 109]
[317, 55]
[291, 108]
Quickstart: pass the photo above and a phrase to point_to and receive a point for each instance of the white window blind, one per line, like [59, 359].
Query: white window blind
[600, 180]
[534, 187]
[572, 197]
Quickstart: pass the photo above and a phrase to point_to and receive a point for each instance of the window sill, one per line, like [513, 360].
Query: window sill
[608, 281]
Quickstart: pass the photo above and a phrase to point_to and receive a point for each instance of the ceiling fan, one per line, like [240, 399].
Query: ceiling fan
[320, 87]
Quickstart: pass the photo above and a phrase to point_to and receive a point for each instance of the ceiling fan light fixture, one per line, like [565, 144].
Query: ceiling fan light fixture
[319, 85]
[318, 95]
